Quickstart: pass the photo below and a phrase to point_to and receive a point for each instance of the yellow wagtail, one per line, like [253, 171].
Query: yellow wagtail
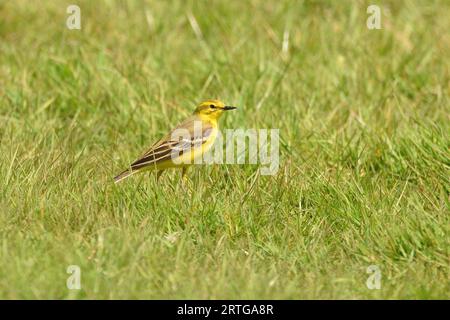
[174, 150]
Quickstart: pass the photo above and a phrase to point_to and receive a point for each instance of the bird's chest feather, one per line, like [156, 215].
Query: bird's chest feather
[198, 151]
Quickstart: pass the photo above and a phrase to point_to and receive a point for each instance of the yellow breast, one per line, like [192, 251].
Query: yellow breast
[196, 154]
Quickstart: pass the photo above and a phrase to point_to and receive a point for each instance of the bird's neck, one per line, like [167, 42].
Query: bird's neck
[207, 119]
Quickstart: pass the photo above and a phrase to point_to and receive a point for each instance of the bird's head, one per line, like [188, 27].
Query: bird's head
[212, 109]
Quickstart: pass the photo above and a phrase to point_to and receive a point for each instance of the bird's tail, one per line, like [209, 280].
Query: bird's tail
[123, 175]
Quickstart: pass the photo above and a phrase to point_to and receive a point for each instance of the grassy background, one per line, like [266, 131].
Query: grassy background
[364, 122]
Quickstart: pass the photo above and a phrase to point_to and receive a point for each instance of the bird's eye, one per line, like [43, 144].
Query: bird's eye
[212, 106]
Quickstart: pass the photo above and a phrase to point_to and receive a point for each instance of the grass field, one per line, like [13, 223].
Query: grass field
[364, 152]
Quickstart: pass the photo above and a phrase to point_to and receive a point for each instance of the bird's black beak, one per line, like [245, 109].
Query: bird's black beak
[229, 108]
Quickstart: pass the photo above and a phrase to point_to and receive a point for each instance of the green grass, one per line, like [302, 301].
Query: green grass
[364, 174]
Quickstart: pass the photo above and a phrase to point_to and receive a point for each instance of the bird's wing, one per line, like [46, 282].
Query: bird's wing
[174, 144]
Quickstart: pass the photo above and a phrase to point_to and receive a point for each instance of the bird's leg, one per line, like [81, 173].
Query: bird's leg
[184, 179]
[183, 185]
[159, 174]
[183, 174]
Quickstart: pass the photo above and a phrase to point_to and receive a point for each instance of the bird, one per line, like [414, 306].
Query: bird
[184, 144]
